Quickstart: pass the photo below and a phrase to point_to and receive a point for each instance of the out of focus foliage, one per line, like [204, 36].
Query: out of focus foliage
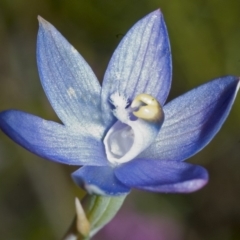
[37, 196]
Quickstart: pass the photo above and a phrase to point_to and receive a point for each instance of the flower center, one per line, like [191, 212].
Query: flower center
[136, 128]
[121, 140]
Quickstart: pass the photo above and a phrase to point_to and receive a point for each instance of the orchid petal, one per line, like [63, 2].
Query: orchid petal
[69, 83]
[52, 140]
[140, 64]
[99, 180]
[193, 119]
[162, 176]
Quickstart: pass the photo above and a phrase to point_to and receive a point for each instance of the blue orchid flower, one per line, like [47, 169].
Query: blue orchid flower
[122, 134]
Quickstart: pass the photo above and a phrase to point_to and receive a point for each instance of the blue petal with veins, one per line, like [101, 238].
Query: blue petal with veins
[118, 149]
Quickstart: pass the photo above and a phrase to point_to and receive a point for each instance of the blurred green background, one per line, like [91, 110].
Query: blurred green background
[37, 196]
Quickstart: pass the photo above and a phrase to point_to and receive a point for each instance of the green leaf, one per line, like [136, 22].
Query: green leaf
[100, 210]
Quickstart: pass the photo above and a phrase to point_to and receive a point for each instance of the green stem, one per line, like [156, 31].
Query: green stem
[99, 210]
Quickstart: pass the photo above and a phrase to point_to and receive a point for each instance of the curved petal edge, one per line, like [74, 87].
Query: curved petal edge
[52, 140]
[99, 181]
[193, 119]
[68, 81]
[140, 64]
[162, 176]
